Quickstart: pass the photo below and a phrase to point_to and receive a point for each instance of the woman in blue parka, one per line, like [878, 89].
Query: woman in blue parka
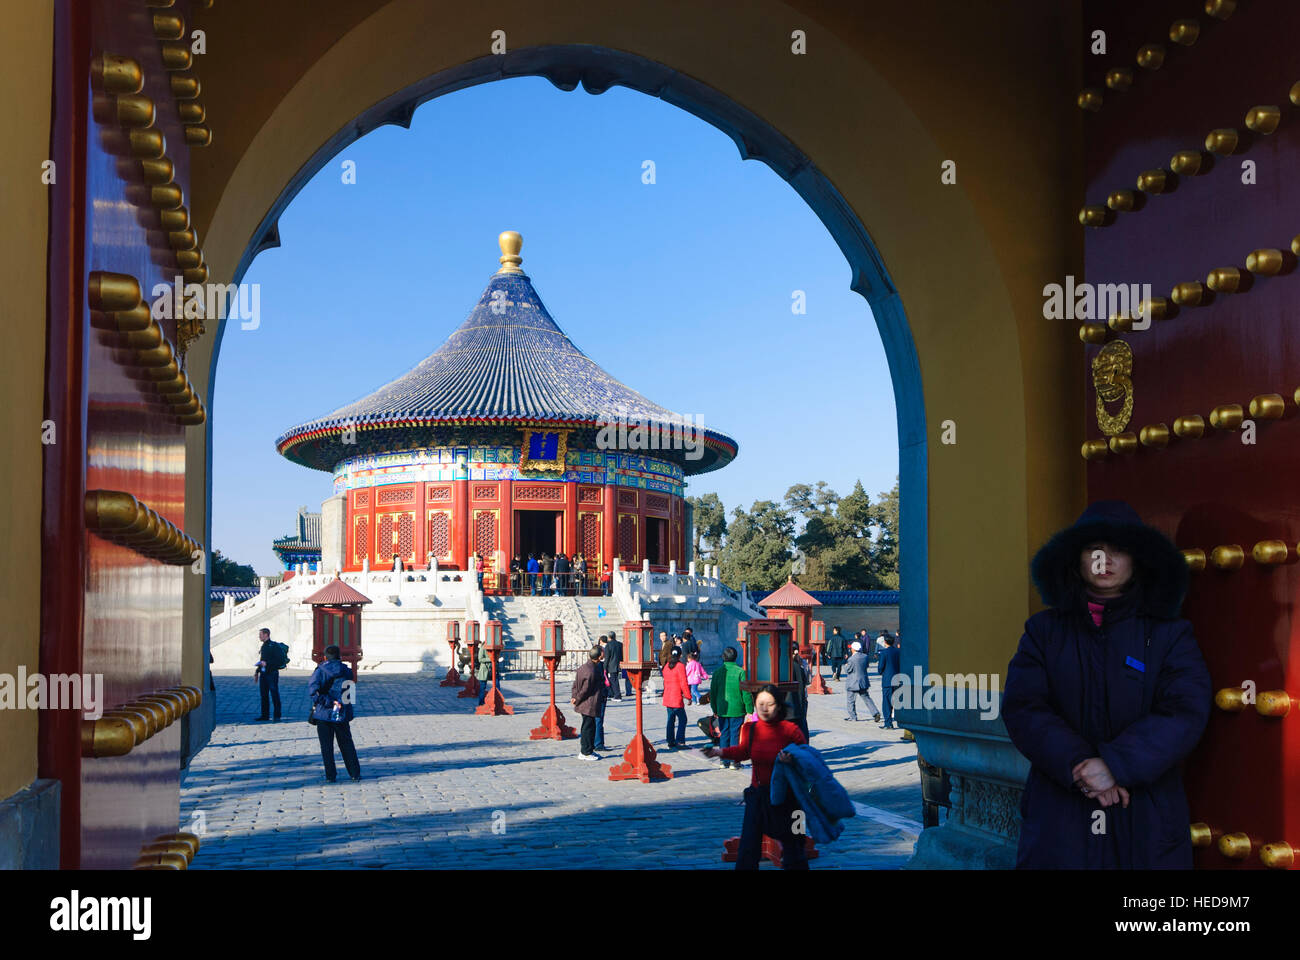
[1106, 696]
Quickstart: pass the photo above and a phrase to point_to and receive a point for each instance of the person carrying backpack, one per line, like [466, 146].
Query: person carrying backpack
[271, 659]
[330, 691]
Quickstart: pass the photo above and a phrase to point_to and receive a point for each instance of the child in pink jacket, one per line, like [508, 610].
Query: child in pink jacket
[695, 675]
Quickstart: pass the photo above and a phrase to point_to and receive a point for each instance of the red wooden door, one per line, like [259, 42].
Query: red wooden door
[111, 611]
[1234, 485]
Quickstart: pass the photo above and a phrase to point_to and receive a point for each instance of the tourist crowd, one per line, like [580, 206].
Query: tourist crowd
[559, 575]
[766, 728]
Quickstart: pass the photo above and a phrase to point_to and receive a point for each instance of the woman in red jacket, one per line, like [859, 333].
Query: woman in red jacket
[677, 693]
[764, 742]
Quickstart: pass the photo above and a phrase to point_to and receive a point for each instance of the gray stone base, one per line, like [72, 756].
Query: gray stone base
[974, 760]
[29, 828]
[197, 727]
[950, 848]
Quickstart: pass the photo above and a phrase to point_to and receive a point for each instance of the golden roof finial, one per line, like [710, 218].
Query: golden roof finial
[510, 243]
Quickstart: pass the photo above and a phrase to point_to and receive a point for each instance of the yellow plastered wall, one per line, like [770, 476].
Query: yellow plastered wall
[26, 50]
[878, 103]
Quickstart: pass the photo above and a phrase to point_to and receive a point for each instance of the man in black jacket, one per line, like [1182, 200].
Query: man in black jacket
[798, 698]
[614, 664]
[836, 650]
[561, 575]
[268, 675]
[689, 644]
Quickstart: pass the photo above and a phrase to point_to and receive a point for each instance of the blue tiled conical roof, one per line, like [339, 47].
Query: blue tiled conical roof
[509, 364]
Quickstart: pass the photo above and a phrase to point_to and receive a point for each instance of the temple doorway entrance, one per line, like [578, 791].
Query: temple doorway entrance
[537, 531]
[656, 540]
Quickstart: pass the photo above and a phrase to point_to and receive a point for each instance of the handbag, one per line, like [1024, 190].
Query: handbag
[709, 728]
[311, 711]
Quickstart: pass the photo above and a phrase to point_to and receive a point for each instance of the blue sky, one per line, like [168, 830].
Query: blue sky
[682, 289]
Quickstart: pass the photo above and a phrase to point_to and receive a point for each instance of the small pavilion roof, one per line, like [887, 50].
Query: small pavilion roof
[789, 596]
[337, 593]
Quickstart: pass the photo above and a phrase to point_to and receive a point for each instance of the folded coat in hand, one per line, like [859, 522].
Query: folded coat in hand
[816, 790]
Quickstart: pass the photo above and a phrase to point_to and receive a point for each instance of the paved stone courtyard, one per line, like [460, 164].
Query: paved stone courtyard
[445, 789]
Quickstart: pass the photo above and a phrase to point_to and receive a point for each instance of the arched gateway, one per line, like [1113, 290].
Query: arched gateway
[861, 127]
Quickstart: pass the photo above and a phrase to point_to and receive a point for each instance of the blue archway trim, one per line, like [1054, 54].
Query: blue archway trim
[597, 69]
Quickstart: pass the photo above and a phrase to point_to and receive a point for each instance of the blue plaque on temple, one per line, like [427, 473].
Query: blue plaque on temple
[543, 446]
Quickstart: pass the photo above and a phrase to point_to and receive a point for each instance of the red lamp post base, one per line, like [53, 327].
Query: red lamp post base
[772, 850]
[553, 727]
[495, 705]
[639, 763]
[471, 682]
[453, 675]
[818, 685]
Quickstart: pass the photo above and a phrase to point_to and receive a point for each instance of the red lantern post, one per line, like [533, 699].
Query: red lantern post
[495, 705]
[553, 726]
[818, 643]
[769, 655]
[453, 641]
[772, 850]
[472, 634]
[639, 761]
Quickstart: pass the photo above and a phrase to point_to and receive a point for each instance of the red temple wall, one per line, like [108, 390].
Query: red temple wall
[411, 519]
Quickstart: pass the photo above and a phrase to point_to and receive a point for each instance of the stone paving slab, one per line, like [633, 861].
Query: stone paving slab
[443, 788]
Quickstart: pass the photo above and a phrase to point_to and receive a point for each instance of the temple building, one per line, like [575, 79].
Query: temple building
[303, 545]
[506, 440]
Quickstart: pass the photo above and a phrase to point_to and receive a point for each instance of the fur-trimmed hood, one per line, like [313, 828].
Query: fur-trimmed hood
[1160, 573]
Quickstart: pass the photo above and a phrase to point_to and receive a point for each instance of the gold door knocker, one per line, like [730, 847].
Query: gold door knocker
[1112, 373]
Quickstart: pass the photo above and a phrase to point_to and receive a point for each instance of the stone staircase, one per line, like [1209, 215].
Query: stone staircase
[590, 608]
[521, 619]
